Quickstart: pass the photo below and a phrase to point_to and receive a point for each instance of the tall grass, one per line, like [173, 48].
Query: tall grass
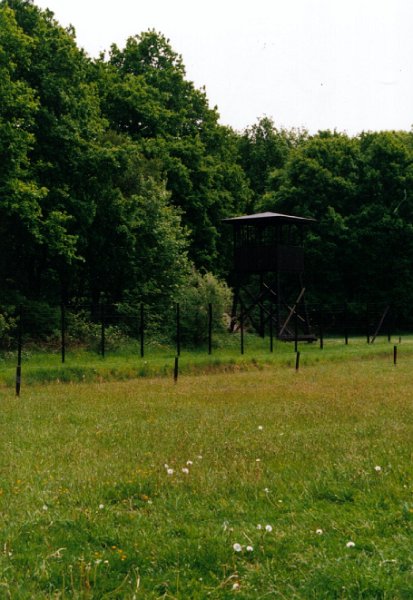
[322, 456]
[126, 362]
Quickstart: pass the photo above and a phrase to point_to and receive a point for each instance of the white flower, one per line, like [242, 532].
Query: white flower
[235, 586]
[200, 456]
[170, 471]
[319, 531]
[101, 506]
[268, 528]
[350, 544]
[237, 547]
[377, 468]
[266, 490]
[250, 548]
[260, 427]
[189, 463]
[259, 526]
[257, 460]
[45, 507]
[185, 470]
[166, 466]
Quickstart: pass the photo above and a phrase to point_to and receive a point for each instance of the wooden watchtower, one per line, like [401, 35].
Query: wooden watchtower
[268, 267]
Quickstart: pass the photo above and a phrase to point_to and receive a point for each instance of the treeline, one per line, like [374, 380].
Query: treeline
[115, 175]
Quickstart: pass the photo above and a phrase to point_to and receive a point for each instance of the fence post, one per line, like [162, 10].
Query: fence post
[178, 330]
[102, 329]
[295, 331]
[297, 361]
[242, 328]
[210, 328]
[176, 369]
[271, 330]
[345, 325]
[19, 354]
[367, 324]
[141, 330]
[320, 328]
[395, 355]
[63, 331]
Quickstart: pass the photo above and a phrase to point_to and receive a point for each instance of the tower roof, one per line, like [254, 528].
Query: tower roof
[267, 217]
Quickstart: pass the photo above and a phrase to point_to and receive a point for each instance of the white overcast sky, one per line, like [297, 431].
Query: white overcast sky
[318, 64]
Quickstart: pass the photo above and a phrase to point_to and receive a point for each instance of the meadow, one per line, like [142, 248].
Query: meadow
[245, 479]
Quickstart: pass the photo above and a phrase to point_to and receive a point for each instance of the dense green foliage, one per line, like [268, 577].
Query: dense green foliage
[115, 175]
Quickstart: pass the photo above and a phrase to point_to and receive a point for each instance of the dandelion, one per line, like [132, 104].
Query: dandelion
[170, 471]
[257, 460]
[45, 507]
[260, 427]
[235, 586]
[185, 470]
[350, 544]
[319, 531]
[259, 526]
[268, 528]
[237, 547]
[266, 490]
[101, 506]
[377, 468]
[189, 463]
[250, 548]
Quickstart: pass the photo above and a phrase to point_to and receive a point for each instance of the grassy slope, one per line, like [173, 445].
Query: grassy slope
[89, 511]
[83, 366]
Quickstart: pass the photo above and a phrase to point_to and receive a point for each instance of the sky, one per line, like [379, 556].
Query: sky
[313, 64]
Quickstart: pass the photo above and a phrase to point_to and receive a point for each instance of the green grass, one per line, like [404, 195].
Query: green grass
[86, 366]
[89, 511]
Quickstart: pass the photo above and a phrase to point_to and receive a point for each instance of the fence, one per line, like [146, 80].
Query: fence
[94, 327]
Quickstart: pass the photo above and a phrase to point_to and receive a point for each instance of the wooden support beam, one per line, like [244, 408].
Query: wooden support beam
[292, 311]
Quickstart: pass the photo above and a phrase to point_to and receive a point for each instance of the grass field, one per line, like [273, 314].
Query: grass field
[258, 483]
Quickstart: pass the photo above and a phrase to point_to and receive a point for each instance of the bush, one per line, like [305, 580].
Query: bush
[194, 299]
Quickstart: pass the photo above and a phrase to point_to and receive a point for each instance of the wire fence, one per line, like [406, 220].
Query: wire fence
[105, 328]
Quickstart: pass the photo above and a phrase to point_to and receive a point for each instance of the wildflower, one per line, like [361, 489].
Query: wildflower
[101, 506]
[237, 547]
[185, 470]
[377, 468]
[319, 531]
[200, 456]
[235, 586]
[259, 526]
[166, 466]
[45, 507]
[257, 460]
[250, 548]
[268, 528]
[260, 427]
[189, 463]
[170, 471]
[350, 544]
[266, 490]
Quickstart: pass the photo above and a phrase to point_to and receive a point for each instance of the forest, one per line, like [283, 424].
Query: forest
[115, 175]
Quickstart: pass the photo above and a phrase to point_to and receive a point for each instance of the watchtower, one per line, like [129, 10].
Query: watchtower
[269, 255]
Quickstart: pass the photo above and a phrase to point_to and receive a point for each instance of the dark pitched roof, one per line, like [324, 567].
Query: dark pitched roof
[267, 217]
